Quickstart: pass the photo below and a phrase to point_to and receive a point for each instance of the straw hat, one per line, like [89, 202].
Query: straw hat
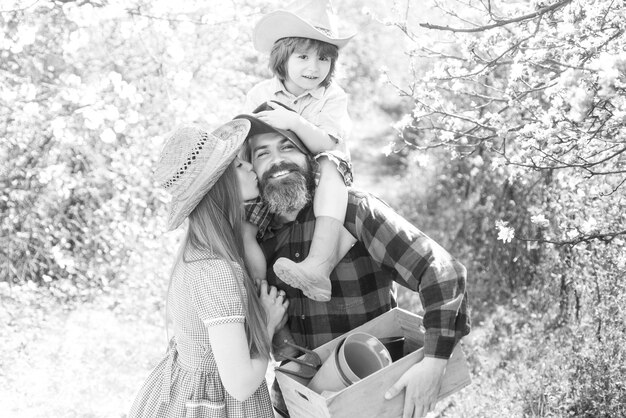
[192, 161]
[312, 19]
[259, 127]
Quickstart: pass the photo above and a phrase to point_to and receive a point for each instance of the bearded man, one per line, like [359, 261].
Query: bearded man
[388, 250]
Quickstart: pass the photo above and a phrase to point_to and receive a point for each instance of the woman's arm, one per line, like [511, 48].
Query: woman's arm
[241, 374]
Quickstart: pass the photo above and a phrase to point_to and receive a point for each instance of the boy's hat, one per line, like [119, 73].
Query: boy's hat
[257, 126]
[313, 19]
[192, 160]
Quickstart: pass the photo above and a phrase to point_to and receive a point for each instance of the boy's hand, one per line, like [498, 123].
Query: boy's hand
[280, 117]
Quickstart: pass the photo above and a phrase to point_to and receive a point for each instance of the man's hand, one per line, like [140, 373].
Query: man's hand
[421, 383]
[280, 117]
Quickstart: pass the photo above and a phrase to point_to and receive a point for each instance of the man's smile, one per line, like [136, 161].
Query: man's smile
[281, 173]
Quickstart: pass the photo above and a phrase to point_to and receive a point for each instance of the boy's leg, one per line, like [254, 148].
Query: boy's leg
[253, 255]
[330, 242]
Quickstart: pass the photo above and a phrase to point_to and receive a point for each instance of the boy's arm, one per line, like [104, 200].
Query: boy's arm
[334, 118]
[315, 139]
[253, 255]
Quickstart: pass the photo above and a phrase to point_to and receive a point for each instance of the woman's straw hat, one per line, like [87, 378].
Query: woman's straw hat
[192, 161]
[312, 19]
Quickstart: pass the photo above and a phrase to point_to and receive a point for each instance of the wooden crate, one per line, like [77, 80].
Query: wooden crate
[366, 397]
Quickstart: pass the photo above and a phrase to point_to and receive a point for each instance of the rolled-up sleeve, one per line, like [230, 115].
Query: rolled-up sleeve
[420, 264]
[334, 118]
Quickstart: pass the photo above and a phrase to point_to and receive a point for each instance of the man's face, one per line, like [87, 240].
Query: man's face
[283, 172]
[268, 149]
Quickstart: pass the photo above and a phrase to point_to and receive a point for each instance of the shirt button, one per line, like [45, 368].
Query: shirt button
[302, 316]
[297, 255]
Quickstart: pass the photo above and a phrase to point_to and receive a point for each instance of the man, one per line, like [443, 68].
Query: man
[388, 249]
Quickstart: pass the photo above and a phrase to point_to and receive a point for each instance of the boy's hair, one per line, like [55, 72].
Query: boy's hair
[284, 47]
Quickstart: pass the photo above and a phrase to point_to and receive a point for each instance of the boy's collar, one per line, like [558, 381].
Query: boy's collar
[317, 93]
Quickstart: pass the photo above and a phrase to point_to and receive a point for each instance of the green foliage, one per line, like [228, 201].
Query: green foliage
[517, 119]
[89, 90]
[77, 183]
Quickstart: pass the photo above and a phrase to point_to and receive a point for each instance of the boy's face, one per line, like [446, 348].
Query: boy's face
[306, 70]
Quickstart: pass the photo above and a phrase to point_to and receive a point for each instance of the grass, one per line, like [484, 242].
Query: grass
[86, 359]
[89, 359]
[79, 359]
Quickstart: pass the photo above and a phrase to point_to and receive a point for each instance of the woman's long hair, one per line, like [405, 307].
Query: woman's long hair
[215, 226]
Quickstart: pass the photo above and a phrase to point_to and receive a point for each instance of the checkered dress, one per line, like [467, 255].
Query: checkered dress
[389, 249]
[186, 382]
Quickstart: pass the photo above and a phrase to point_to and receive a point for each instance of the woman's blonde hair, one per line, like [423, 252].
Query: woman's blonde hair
[215, 227]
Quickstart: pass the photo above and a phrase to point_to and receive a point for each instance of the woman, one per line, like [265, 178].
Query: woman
[216, 362]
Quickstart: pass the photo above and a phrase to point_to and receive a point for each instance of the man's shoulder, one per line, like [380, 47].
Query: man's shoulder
[364, 200]
[355, 194]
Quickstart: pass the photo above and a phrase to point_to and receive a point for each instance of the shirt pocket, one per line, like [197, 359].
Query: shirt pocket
[358, 307]
[343, 306]
[205, 409]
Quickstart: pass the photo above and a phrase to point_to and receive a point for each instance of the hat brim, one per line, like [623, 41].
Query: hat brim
[257, 127]
[228, 139]
[282, 24]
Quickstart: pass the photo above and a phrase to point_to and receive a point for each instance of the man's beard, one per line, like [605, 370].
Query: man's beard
[287, 194]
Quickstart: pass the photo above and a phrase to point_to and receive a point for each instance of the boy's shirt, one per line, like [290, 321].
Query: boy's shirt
[324, 107]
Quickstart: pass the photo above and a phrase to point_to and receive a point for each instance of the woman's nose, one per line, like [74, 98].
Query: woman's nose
[245, 164]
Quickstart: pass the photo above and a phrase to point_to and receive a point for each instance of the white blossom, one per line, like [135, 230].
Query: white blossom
[540, 220]
[108, 136]
[505, 232]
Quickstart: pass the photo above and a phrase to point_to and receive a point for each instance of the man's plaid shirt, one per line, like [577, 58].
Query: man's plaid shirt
[388, 249]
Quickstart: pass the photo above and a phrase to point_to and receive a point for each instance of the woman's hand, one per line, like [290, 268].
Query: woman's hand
[275, 305]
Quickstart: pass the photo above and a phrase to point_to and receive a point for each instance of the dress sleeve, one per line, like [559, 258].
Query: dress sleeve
[217, 293]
